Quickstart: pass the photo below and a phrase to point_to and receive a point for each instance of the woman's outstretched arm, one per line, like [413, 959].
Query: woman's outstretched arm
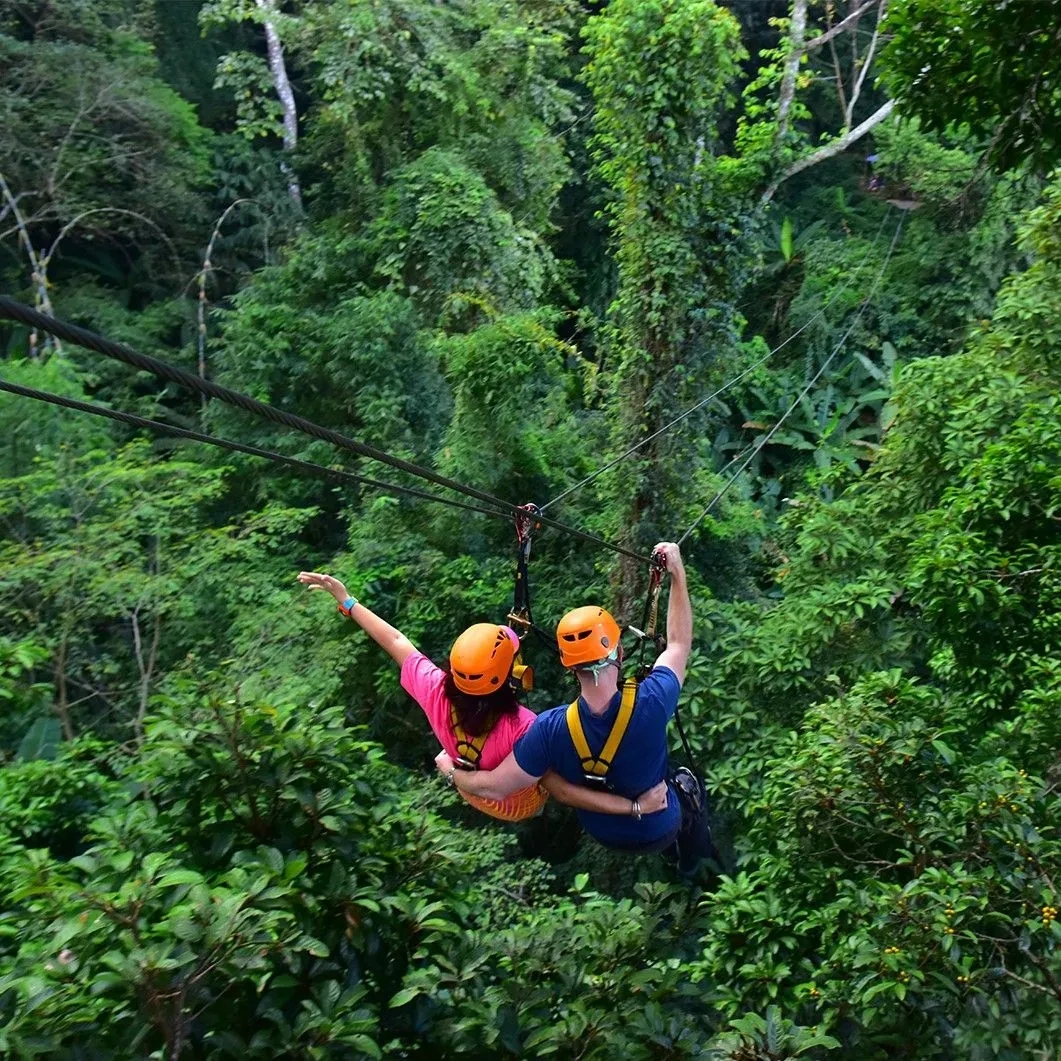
[392, 641]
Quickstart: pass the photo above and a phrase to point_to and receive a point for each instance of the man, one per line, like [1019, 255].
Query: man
[606, 737]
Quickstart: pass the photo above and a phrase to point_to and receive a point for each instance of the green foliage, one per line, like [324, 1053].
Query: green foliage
[256, 863]
[661, 76]
[23, 698]
[445, 240]
[50, 800]
[897, 844]
[358, 365]
[478, 76]
[30, 432]
[113, 570]
[78, 90]
[561, 979]
[274, 886]
[41, 740]
[753, 1038]
[497, 373]
[988, 66]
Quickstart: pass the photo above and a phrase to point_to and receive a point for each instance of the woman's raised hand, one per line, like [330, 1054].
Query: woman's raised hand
[315, 580]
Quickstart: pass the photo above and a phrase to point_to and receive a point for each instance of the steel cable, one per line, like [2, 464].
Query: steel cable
[799, 397]
[16, 311]
[726, 386]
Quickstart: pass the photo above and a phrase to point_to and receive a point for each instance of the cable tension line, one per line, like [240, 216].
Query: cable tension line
[119, 352]
[725, 386]
[803, 393]
[16, 311]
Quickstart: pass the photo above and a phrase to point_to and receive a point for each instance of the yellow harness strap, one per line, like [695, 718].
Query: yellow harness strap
[596, 766]
[468, 748]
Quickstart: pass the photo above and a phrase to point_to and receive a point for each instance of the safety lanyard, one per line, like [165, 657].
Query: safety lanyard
[649, 617]
[595, 767]
[520, 615]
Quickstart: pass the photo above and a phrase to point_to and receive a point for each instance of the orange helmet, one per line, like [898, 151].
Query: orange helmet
[586, 635]
[481, 658]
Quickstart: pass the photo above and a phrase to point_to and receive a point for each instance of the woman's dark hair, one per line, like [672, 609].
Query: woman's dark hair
[477, 714]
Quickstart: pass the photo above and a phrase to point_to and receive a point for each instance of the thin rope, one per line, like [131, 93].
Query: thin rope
[16, 311]
[803, 393]
[223, 443]
[726, 386]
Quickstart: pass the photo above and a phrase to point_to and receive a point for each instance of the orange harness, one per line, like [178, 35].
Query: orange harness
[517, 807]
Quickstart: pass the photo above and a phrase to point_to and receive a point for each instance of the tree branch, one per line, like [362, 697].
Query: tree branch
[866, 64]
[61, 704]
[835, 31]
[38, 267]
[839, 76]
[206, 269]
[834, 147]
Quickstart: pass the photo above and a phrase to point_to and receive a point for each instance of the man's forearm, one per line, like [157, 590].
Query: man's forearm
[498, 783]
[480, 783]
[679, 612]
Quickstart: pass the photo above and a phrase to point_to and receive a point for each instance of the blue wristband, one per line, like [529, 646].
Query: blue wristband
[348, 606]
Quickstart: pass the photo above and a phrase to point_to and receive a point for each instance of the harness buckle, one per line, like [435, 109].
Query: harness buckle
[596, 781]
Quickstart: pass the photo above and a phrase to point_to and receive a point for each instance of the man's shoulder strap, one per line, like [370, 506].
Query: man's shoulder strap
[595, 767]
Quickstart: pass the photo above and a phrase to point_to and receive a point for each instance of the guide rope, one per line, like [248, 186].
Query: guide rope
[803, 393]
[725, 386]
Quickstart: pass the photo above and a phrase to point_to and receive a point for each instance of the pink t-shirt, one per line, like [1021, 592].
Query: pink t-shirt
[426, 684]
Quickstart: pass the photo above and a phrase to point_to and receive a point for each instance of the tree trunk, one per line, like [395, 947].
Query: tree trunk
[798, 31]
[62, 706]
[287, 98]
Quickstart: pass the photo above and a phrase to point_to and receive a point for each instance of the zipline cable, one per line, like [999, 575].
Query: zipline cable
[223, 443]
[82, 337]
[803, 393]
[16, 311]
[726, 386]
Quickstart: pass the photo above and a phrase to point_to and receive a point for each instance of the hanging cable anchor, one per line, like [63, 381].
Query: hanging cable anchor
[527, 525]
[657, 564]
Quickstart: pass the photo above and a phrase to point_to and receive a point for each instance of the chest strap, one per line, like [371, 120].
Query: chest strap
[469, 749]
[595, 767]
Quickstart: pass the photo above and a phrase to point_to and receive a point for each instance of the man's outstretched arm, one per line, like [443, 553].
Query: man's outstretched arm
[679, 614]
[486, 783]
[498, 783]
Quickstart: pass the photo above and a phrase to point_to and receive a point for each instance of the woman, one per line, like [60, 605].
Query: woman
[473, 710]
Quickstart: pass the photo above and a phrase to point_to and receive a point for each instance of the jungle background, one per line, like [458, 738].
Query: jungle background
[507, 241]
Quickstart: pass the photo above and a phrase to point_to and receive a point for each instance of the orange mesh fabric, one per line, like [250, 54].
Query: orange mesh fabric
[525, 803]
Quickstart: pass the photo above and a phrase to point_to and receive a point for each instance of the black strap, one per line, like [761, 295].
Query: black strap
[649, 617]
[685, 742]
[526, 524]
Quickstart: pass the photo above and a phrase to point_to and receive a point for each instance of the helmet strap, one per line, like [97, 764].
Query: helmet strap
[612, 659]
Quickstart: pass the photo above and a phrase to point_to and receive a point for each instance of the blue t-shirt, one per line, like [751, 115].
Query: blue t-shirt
[640, 762]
